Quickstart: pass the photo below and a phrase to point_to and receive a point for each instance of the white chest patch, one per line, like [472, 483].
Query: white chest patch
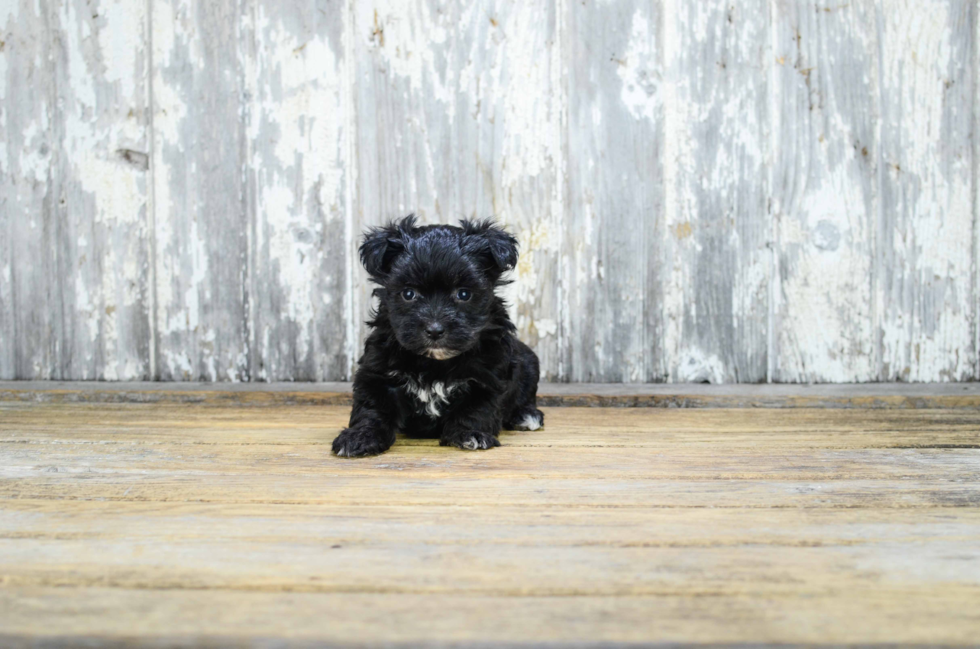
[433, 396]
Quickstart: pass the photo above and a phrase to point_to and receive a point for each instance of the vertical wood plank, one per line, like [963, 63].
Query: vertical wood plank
[976, 194]
[200, 193]
[103, 97]
[405, 102]
[297, 168]
[824, 189]
[507, 150]
[927, 306]
[406, 84]
[29, 193]
[456, 117]
[77, 195]
[716, 295]
[614, 210]
[8, 203]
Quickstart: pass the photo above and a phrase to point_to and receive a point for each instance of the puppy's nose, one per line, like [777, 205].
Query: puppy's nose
[434, 330]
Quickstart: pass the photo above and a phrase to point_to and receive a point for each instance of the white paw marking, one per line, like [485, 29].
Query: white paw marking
[531, 422]
[342, 452]
[471, 444]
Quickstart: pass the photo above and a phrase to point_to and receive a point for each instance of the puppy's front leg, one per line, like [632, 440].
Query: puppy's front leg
[371, 430]
[474, 423]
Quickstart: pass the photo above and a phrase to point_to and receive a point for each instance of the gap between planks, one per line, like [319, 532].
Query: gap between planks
[652, 395]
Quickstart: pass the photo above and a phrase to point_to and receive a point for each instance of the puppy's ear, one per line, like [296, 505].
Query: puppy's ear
[497, 244]
[383, 244]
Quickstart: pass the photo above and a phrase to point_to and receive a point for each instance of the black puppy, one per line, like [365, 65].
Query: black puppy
[442, 359]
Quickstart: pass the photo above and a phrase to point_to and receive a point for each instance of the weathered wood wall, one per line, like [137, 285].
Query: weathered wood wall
[779, 190]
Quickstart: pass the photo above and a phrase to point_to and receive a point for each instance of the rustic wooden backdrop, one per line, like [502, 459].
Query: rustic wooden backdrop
[704, 191]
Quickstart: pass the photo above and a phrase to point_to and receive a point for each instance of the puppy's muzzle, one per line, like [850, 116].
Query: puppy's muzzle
[434, 331]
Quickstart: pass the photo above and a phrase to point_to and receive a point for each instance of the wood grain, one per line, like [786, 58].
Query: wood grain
[711, 191]
[32, 329]
[297, 176]
[150, 523]
[616, 76]
[297, 619]
[508, 151]
[494, 552]
[716, 299]
[75, 287]
[926, 226]
[104, 202]
[200, 191]
[824, 190]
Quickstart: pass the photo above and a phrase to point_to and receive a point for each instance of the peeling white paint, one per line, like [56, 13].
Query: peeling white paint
[295, 128]
[411, 39]
[694, 366]
[630, 147]
[32, 161]
[716, 262]
[117, 45]
[927, 314]
[104, 197]
[636, 68]
[508, 140]
[823, 199]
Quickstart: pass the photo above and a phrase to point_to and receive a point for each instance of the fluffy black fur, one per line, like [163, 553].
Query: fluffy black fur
[442, 359]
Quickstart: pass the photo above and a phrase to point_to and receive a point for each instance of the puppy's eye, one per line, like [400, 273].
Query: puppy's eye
[463, 295]
[408, 295]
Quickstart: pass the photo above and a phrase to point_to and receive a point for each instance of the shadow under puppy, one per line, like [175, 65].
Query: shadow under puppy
[442, 359]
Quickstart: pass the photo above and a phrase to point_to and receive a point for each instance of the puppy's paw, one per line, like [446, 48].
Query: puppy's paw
[360, 441]
[532, 419]
[470, 440]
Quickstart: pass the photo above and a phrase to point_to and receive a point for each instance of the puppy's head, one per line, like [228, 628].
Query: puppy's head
[437, 281]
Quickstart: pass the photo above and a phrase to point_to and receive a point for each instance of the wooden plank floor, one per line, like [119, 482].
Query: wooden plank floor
[230, 525]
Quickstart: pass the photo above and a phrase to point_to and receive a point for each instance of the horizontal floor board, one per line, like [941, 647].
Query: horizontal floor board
[488, 523]
[491, 569]
[928, 616]
[560, 423]
[427, 461]
[541, 493]
[482, 550]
